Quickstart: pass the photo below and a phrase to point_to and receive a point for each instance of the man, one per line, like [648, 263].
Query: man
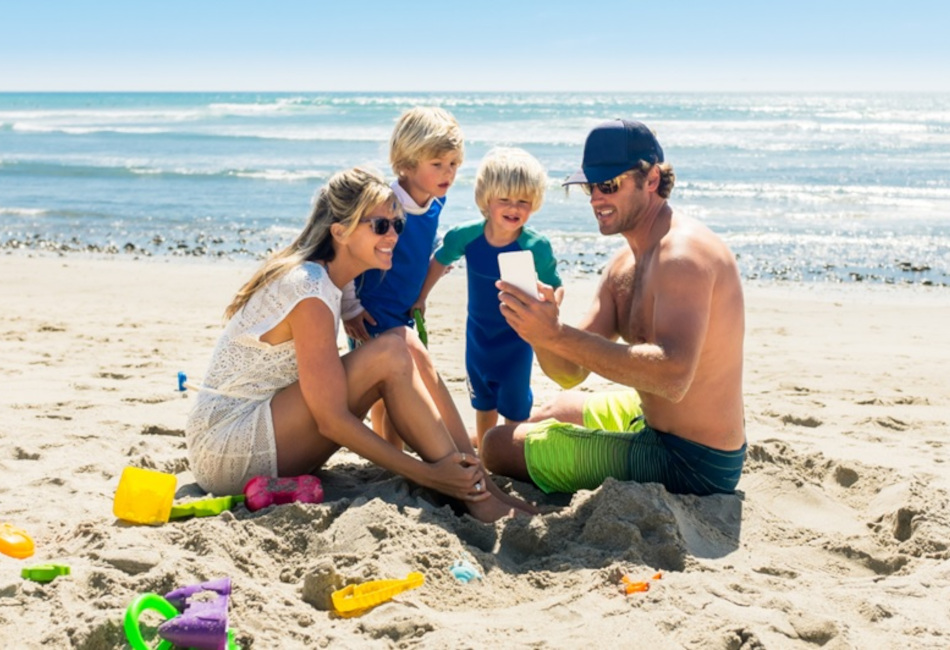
[674, 297]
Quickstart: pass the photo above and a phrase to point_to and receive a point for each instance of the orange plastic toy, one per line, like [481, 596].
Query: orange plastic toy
[631, 587]
[15, 542]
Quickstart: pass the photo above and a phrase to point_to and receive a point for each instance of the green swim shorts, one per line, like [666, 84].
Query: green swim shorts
[565, 457]
[614, 411]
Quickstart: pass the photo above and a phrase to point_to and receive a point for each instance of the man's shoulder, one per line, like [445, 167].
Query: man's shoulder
[621, 260]
[690, 240]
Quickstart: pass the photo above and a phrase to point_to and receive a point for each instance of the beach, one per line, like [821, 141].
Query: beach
[837, 536]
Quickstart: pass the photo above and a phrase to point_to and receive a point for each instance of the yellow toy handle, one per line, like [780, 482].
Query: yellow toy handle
[354, 599]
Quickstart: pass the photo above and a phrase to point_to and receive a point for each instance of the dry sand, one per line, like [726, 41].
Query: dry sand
[838, 536]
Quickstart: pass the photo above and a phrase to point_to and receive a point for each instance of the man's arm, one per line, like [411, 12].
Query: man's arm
[600, 320]
[664, 365]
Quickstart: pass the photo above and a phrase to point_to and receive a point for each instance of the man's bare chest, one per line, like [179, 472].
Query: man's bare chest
[634, 308]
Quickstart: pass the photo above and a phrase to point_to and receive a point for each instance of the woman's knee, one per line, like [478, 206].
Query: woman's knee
[392, 353]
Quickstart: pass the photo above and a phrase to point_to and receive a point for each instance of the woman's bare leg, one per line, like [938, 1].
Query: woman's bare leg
[383, 425]
[451, 417]
[439, 392]
[300, 447]
[379, 369]
[412, 416]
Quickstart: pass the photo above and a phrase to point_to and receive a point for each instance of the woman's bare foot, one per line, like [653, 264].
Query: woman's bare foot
[511, 500]
[490, 510]
[510, 505]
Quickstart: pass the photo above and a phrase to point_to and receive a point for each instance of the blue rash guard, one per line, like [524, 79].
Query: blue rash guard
[389, 295]
[497, 360]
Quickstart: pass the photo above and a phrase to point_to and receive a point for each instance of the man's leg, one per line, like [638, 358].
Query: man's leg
[567, 406]
[502, 451]
[502, 447]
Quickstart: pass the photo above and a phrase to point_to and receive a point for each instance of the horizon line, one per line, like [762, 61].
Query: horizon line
[479, 91]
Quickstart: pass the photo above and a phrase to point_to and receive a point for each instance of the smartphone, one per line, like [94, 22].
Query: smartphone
[517, 268]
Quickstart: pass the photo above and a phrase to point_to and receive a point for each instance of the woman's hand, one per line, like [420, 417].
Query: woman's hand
[459, 475]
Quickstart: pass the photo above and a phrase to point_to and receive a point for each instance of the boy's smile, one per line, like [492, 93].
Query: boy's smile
[506, 218]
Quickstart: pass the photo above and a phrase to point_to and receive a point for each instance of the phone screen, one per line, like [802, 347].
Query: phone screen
[517, 268]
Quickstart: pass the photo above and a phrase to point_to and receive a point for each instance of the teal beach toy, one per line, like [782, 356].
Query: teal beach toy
[464, 571]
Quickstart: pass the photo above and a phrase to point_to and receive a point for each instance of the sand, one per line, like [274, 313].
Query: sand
[838, 536]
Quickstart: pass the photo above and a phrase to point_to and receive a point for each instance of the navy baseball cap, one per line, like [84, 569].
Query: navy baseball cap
[614, 147]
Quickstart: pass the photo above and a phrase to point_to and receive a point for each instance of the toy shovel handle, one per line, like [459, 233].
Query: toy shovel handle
[205, 507]
[421, 326]
[370, 594]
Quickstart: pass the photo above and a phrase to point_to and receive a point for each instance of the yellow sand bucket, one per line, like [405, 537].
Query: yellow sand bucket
[144, 496]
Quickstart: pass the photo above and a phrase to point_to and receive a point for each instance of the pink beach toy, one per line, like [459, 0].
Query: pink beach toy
[263, 491]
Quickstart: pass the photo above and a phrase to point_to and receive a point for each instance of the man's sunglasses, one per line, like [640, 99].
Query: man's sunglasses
[381, 224]
[607, 187]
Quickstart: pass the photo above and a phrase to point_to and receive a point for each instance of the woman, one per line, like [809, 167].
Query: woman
[279, 400]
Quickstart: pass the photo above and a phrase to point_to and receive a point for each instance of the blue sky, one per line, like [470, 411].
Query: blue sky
[510, 45]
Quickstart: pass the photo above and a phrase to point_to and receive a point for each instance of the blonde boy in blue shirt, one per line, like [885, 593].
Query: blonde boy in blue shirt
[509, 188]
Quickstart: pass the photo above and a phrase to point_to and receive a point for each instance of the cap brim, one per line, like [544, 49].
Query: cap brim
[576, 177]
[598, 174]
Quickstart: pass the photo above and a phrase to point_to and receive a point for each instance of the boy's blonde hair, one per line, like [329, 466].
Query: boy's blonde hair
[423, 133]
[507, 172]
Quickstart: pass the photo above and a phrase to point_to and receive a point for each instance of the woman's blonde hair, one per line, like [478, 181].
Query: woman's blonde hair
[346, 198]
[423, 133]
[508, 172]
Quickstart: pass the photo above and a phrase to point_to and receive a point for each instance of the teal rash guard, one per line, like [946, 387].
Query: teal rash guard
[497, 360]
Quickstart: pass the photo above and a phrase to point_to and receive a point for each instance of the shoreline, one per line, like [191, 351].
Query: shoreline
[575, 273]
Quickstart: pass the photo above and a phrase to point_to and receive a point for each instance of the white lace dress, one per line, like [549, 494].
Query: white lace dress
[229, 431]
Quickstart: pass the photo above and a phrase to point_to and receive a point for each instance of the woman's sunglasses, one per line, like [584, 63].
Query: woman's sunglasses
[607, 187]
[381, 224]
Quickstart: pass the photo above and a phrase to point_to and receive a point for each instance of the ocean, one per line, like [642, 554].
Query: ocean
[838, 188]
